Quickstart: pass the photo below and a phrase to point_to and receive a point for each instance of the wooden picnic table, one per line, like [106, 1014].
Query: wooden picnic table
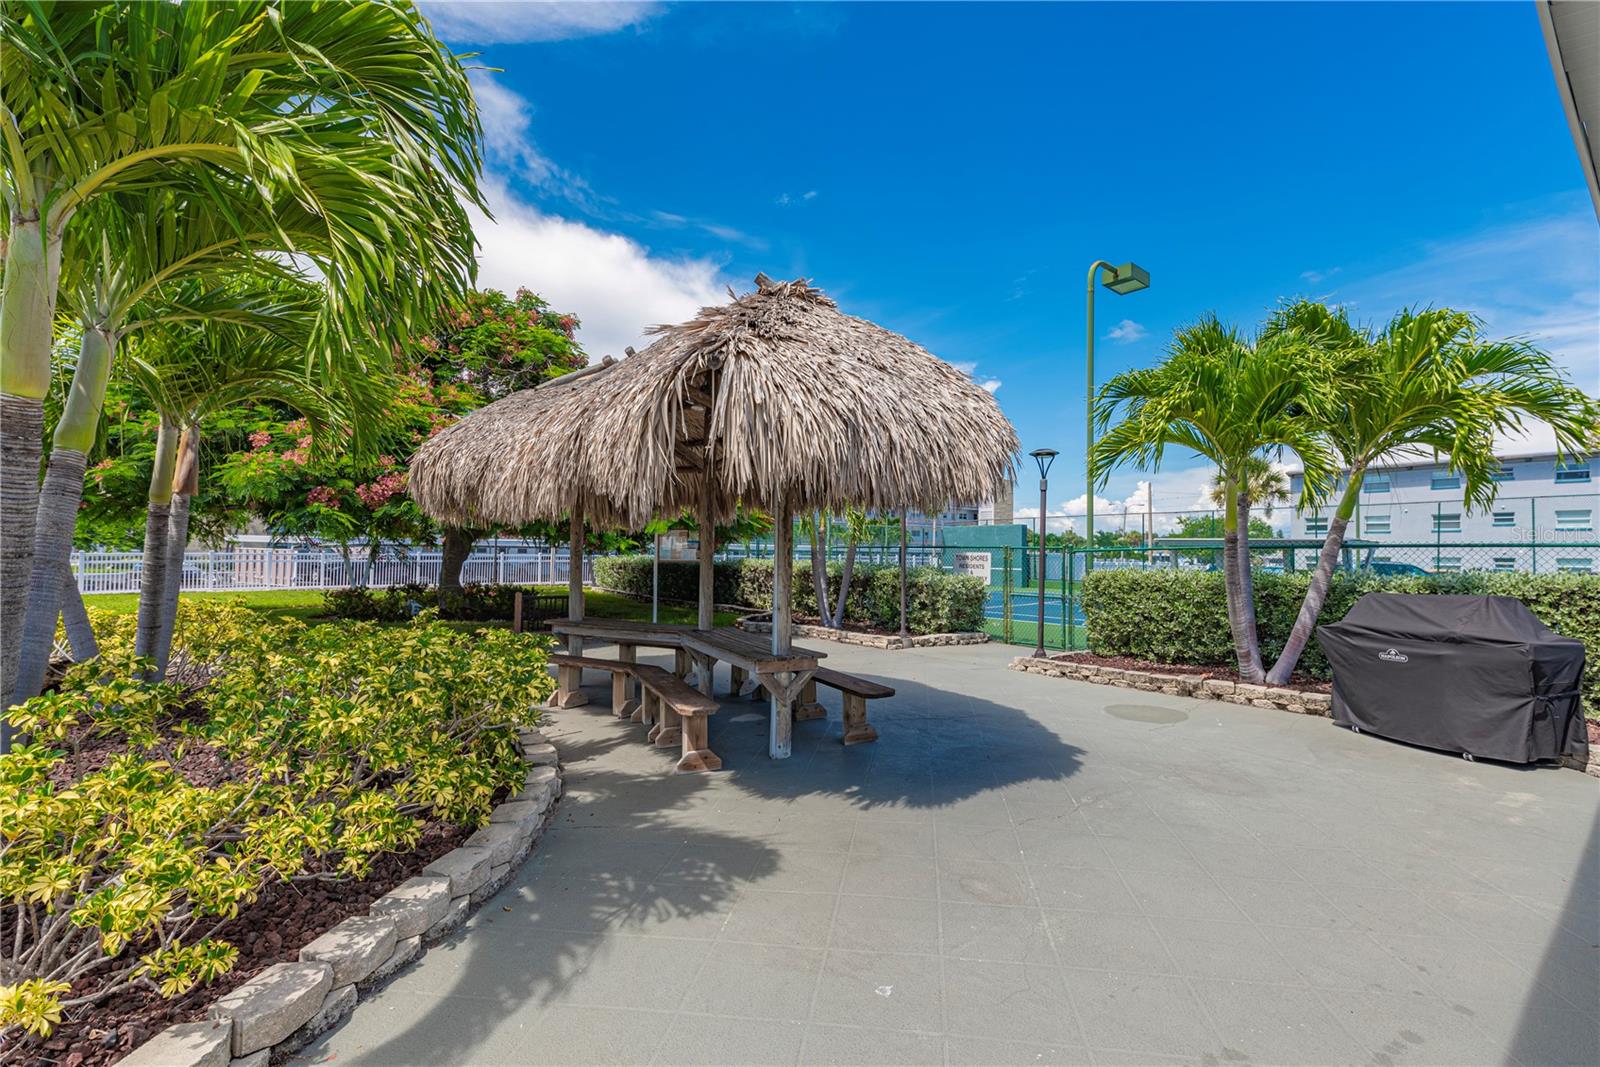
[784, 677]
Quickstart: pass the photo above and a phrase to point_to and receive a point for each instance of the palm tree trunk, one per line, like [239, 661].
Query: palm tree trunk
[837, 622]
[80, 633]
[1305, 623]
[27, 308]
[1247, 595]
[58, 507]
[58, 511]
[457, 547]
[1241, 615]
[185, 483]
[152, 575]
[172, 580]
[819, 564]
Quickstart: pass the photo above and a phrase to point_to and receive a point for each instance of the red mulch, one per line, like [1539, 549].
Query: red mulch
[284, 918]
[1301, 682]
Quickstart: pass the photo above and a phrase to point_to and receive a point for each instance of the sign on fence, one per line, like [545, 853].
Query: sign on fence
[972, 564]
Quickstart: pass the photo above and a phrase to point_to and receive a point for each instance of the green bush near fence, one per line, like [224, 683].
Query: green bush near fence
[1180, 616]
[936, 602]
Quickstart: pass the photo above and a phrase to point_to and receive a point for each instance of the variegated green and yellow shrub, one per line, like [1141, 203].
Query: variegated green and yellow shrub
[280, 751]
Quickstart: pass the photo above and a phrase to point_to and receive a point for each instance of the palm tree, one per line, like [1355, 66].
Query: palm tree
[190, 370]
[1262, 483]
[1428, 383]
[355, 112]
[166, 241]
[1229, 398]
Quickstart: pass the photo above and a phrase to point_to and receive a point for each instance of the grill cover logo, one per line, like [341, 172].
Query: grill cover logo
[1394, 656]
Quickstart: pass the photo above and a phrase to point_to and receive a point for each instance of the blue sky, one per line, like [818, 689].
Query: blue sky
[950, 171]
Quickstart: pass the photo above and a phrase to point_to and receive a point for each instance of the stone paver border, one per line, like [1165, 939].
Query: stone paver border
[1275, 698]
[760, 624]
[284, 1007]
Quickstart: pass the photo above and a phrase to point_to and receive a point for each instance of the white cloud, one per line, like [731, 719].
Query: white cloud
[970, 369]
[509, 148]
[1315, 276]
[1537, 278]
[793, 200]
[1127, 331]
[485, 22]
[990, 385]
[613, 284]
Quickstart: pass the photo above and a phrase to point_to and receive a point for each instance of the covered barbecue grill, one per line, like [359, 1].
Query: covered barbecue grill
[1479, 675]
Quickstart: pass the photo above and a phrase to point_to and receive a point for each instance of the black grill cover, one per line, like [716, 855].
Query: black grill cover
[1473, 674]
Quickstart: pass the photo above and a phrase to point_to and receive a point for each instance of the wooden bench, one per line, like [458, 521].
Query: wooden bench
[569, 680]
[679, 712]
[856, 693]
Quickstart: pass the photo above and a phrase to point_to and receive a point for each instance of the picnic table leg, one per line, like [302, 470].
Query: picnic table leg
[735, 680]
[856, 730]
[569, 688]
[668, 729]
[697, 754]
[619, 694]
[708, 672]
[806, 706]
[680, 662]
[782, 724]
[631, 704]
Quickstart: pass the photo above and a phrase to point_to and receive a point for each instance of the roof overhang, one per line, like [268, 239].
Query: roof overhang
[1572, 35]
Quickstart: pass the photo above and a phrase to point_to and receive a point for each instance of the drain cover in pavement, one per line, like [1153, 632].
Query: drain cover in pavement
[1146, 713]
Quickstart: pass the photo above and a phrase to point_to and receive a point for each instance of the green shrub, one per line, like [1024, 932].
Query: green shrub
[680, 579]
[1180, 616]
[396, 603]
[327, 746]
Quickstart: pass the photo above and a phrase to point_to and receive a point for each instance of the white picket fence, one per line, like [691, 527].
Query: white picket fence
[239, 569]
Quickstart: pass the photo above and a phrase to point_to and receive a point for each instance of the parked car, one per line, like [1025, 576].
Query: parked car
[1389, 567]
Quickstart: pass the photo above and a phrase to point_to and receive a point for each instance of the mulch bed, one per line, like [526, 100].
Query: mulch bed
[285, 917]
[1302, 682]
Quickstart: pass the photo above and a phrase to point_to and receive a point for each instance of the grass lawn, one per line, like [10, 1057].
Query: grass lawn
[306, 605]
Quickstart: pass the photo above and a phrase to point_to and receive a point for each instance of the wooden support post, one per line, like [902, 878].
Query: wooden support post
[631, 703]
[575, 583]
[781, 728]
[680, 663]
[856, 730]
[736, 678]
[569, 687]
[806, 706]
[669, 724]
[697, 754]
[619, 694]
[516, 613]
[708, 550]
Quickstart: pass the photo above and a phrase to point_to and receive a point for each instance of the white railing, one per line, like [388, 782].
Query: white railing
[322, 568]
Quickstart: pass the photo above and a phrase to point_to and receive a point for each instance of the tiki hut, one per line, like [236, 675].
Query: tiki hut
[777, 401]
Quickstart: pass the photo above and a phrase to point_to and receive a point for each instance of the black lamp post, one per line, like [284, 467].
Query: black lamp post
[1044, 457]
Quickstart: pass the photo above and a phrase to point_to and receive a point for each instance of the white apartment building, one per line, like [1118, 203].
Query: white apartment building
[1541, 509]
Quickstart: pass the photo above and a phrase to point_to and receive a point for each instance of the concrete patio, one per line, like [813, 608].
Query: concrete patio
[1023, 870]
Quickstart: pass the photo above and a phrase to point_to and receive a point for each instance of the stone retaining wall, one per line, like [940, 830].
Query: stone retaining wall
[1183, 685]
[286, 1006]
[760, 624]
[1193, 685]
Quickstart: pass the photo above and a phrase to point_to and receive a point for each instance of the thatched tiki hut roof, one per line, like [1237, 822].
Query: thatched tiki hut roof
[777, 401]
[781, 397]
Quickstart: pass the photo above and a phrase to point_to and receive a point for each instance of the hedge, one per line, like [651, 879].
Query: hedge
[936, 602]
[1180, 616]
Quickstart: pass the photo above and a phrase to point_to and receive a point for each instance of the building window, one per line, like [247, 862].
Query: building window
[1574, 519]
[1445, 480]
[1505, 518]
[1572, 472]
[1316, 525]
[1375, 483]
[1505, 563]
[1449, 565]
[1447, 522]
[1504, 474]
[1375, 524]
[1574, 564]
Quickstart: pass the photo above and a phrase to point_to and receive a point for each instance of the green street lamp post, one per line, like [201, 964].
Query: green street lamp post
[1043, 457]
[1128, 278]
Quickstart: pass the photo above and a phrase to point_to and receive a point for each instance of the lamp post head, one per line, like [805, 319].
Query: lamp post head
[1128, 278]
[1043, 457]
